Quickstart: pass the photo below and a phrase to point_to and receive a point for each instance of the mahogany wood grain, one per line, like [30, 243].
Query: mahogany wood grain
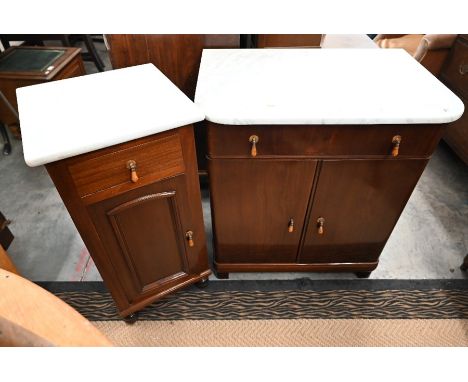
[252, 203]
[137, 237]
[322, 141]
[223, 269]
[455, 75]
[178, 56]
[361, 201]
[355, 191]
[455, 70]
[157, 159]
[288, 40]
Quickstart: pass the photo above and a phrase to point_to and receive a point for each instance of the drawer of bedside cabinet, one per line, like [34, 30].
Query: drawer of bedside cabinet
[154, 160]
[322, 140]
[455, 72]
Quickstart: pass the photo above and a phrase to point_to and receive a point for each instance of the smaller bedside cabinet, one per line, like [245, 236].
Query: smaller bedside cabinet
[126, 170]
[30, 65]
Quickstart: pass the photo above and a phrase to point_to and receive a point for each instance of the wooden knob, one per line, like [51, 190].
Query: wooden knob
[253, 140]
[291, 225]
[131, 165]
[320, 224]
[396, 140]
[189, 236]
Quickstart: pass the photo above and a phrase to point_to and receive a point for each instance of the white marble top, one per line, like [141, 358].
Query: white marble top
[321, 86]
[333, 41]
[65, 118]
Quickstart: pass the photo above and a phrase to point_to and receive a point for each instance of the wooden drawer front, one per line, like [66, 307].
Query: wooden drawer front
[322, 140]
[455, 73]
[154, 160]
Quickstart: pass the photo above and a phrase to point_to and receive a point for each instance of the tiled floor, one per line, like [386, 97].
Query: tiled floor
[429, 241]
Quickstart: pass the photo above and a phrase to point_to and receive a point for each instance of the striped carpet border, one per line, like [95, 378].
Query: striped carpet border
[286, 299]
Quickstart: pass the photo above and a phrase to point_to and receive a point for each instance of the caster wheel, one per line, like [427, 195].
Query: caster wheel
[202, 283]
[131, 318]
[363, 275]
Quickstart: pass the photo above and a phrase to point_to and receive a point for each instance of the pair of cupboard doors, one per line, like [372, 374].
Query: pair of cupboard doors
[310, 197]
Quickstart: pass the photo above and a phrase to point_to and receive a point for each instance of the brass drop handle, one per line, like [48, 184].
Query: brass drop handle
[463, 69]
[396, 140]
[320, 224]
[253, 140]
[291, 225]
[131, 165]
[189, 237]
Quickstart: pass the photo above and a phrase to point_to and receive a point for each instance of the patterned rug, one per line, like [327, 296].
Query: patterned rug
[286, 313]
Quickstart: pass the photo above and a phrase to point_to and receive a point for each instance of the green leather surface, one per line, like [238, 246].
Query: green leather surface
[29, 60]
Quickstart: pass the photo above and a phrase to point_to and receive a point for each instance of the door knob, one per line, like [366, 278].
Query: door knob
[396, 140]
[189, 237]
[253, 140]
[131, 165]
[291, 225]
[320, 224]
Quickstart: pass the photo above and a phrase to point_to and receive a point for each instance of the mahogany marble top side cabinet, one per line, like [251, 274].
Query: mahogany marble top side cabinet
[313, 153]
[127, 173]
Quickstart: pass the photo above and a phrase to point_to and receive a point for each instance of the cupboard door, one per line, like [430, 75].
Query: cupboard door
[360, 202]
[258, 208]
[144, 232]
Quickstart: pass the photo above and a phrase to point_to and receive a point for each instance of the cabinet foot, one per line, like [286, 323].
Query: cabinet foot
[363, 275]
[464, 266]
[221, 275]
[131, 318]
[202, 283]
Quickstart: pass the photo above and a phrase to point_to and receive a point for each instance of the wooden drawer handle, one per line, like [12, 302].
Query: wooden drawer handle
[291, 225]
[396, 140]
[253, 140]
[189, 237]
[320, 224]
[463, 69]
[131, 165]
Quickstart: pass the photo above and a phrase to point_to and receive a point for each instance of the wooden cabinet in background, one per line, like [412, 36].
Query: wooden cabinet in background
[344, 188]
[143, 225]
[455, 75]
[27, 65]
[177, 56]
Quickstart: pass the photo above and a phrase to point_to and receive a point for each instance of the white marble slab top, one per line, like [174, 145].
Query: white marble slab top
[321, 86]
[65, 118]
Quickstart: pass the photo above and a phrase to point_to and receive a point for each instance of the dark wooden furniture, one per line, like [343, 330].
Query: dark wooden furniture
[68, 40]
[311, 198]
[25, 65]
[455, 75]
[177, 56]
[287, 40]
[137, 208]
